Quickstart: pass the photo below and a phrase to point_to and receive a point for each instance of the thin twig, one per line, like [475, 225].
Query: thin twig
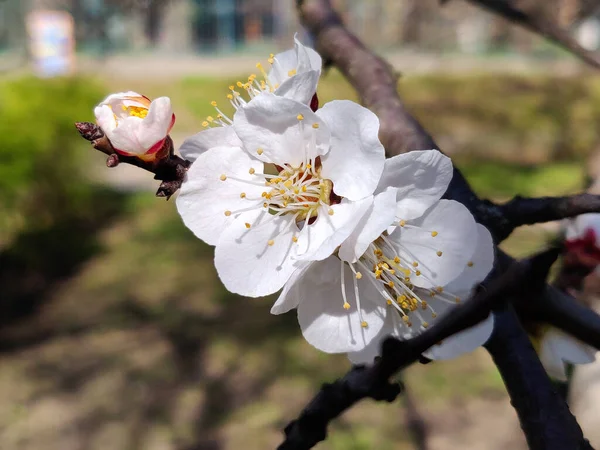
[373, 381]
[536, 23]
[170, 168]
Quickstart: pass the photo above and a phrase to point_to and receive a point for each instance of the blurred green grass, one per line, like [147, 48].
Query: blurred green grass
[139, 345]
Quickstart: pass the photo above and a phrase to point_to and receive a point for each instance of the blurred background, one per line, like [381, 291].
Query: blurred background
[114, 329]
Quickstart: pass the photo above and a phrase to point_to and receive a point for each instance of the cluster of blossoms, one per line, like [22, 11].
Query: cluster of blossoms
[300, 198]
[555, 348]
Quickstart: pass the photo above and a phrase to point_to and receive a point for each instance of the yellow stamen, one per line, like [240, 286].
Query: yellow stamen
[346, 306]
[434, 233]
[223, 177]
[270, 242]
[248, 225]
[227, 213]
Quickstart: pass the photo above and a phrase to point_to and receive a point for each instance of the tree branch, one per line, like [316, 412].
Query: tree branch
[545, 417]
[537, 24]
[169, 168]
[373, 381]
[527, 211]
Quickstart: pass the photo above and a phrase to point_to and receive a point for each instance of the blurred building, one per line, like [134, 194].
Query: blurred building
[185, 26]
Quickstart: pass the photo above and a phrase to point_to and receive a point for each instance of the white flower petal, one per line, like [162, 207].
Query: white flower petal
[155, 126]
[300, 59]
[464, 342]
[373, 349]
[421, 177]
[577, 227]
[290, 295]
[356, 159]
[270, 123]
[200, 142]
[256, 261]
[120, 96]
[478, 267]
[204, 197]
[300, 87]
[567, 348]
[456, 240]
[325, 323]
[319, 240]
[125, 136]
[105, 119]
[380, 214]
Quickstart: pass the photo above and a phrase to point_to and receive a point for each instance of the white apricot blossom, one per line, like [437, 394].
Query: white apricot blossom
[410, 259]
[556, 349]
[282, 182]
[293, 74]
[135, 125]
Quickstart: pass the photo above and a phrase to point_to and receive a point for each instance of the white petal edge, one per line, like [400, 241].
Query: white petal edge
[356, 158]
[325, 324]
[421, 177]
[200, 142]
[377, 219]
[270, 124]
[204, 197]
[246, 263]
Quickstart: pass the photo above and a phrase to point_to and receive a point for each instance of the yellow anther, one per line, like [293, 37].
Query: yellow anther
[418, 273]
[405, 305]
[389, 302]
[296, 190]
[415, 264]
[271, 55]
[434, 233]
[251, 171]
[242, 195]
[265, 205]
[391, 284]
[239, 84]
[294, 239]
[423, 304]
[271, 60]
[309, 166]
[270, 242]
[378, 273]
[227, 213]
[439, 289]
[425, 324]
[248, 225]
[315, 125]
[210, 118]
[300, 117]
[213, 103]
[457, 299]
[288, 184]
[364, 324]
[259, 151]
[402, 223]
[303, 188]
[385, 266]
[124, 108]
[223, 177]
[439, 253]
[229, 97]
[346, 305]
[358, 275]
[219, 116]
[258, 65]
[405, 319]
[231, 88]
[470, 264]
[397, 260]
[433, 315]
[205, 124]
[291, 73]
[330, 212]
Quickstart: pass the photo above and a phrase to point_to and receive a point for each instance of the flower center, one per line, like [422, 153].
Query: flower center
[299, 191]
[136, 111]
[390, 268]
